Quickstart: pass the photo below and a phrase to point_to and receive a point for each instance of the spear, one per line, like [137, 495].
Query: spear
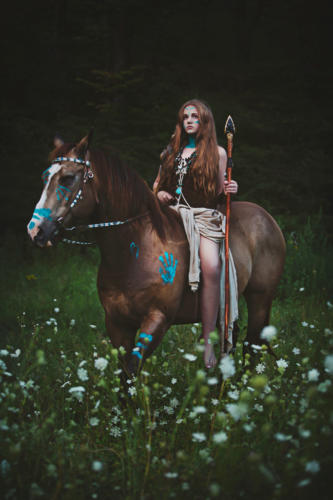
[229, 130]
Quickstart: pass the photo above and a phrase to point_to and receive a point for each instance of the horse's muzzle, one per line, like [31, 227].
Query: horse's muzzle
[48, 234]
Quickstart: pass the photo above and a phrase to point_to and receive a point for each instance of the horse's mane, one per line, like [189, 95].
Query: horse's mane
[120, 190]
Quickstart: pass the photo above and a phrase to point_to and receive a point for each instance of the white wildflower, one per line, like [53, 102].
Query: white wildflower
[3, 365]
[78, 388]
[171, 475]
[279, 436]
[260, 368]
[101, 364]
[313, 467]
[237, 411]
[132, 391]
[304, 323]
[227, 367]
[329, 304]
[220, 437]
[56, 309]
[115, 431]
[323, 386]
[249, 427]
[282, 363]
[174, 402]
[303, 482]
[198, 437]
[302, 289]
[304, 433]
[212, 381]
[77, 392]
[4, 467]
[190, 357]
[82, 374]
[97, 466]
[268, 333]
[169, 410]
[256, 347]
[93, 421]
[72, 322]
[93, 327]
[296, 350]
[234, 395]
[313, 375]
[258, 407]
[4, 352]
[173, 381]
[16, 353]
[199, 409]
[215, 402]
[328, 363]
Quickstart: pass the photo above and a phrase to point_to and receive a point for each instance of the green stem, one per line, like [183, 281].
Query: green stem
[215, 412]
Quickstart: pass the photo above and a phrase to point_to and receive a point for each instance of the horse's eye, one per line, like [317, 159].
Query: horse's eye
[67, 180]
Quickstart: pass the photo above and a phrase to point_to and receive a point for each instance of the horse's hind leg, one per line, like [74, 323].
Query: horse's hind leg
[259, 308]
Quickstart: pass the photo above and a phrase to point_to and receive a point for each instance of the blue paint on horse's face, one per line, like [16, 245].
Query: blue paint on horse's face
[40, 213]
[61, 192]
[46, 175]
[170, 265]
[133, 246]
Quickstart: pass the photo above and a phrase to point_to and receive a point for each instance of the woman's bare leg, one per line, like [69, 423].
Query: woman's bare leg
[210, 293]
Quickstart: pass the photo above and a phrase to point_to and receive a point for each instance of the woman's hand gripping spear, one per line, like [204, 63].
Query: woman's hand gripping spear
[229, 130]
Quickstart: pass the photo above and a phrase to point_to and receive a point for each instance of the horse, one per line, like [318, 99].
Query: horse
[142, 278]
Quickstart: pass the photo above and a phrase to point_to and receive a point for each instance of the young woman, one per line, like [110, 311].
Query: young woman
[192, 173]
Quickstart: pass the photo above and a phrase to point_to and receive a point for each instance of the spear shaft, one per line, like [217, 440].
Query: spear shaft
[229, 131]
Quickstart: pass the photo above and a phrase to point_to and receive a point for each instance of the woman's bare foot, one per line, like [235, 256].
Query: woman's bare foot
[209, 356]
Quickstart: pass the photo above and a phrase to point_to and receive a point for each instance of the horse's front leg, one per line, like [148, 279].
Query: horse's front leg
[152, 330]
[121, 336]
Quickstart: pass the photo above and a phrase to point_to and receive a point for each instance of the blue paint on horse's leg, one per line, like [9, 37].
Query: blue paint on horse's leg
[147, 338]
[31, 225]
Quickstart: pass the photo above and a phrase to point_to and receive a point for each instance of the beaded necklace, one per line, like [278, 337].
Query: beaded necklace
[181, 167]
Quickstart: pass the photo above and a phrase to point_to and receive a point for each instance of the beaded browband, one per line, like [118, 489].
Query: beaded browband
[74, 160]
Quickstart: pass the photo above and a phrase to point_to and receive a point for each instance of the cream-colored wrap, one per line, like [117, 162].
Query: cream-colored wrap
[209, 223]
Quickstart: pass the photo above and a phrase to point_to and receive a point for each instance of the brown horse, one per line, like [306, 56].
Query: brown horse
[142, 278]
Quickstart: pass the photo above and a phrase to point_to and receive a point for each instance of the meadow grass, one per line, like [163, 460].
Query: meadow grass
[254, 430]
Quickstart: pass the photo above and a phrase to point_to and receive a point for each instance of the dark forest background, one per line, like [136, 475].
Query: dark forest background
[124, 67]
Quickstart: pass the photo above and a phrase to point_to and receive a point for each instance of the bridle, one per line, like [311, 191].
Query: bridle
[88, 175]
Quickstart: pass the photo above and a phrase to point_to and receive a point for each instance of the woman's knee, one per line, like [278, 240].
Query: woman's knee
[211, 269]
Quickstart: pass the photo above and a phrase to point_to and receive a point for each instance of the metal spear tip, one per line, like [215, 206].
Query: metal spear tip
[229, 127]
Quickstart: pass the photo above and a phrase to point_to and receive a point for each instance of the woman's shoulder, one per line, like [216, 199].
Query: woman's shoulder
[222, 152]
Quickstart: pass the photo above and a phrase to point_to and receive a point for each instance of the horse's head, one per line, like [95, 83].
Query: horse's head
[65, 192]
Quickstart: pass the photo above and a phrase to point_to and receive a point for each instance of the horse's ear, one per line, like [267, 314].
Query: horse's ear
[57, 141]
[82, 147]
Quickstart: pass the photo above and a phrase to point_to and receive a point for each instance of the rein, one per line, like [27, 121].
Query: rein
[88, 174]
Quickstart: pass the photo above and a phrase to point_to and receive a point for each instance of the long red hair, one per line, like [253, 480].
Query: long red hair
[204, 169]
